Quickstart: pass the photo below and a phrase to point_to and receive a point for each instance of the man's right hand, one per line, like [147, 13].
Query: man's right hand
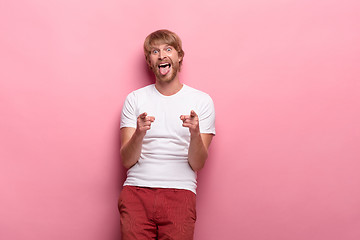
[144, 123]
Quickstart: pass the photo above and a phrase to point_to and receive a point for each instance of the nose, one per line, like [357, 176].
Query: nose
[161, 54]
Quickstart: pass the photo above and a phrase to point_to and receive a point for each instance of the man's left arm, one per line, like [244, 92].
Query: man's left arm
[199, 142]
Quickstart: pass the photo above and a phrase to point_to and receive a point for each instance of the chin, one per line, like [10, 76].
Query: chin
[167, 78]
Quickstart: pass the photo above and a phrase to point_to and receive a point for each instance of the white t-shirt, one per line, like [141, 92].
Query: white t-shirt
[163, 160]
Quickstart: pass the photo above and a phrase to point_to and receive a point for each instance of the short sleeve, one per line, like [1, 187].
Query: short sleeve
[128, 115]
[207, 115]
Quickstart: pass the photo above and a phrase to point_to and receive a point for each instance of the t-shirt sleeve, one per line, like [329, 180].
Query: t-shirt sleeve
[207, 116]
[128, 115]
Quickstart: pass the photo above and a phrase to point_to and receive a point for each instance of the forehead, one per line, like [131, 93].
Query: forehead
[160, 45]
[162, 41]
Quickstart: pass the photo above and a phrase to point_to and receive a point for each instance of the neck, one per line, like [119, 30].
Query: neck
[168, 88]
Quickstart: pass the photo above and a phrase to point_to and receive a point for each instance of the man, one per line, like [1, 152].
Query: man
[166, 130]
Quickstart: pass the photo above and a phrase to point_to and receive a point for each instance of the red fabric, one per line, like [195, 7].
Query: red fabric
[157, 213]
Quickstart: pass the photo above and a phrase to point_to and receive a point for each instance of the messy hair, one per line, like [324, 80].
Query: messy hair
[163, 37]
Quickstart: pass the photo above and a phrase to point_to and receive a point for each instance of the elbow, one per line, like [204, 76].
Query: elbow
[126, 161]
[199, 164]
[123, 160]
[126, 164]
[197, 168]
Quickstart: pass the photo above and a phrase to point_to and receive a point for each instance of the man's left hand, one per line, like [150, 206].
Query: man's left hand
[192, 122]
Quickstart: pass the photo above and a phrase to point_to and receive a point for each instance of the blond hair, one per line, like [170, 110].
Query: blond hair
[163, 36]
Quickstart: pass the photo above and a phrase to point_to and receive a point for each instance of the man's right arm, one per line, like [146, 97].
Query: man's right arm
[131, 140]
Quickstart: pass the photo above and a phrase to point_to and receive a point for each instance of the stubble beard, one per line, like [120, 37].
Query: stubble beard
[168, 77]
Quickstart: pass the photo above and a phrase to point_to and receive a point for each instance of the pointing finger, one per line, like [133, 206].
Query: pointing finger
[185, 117]
[193, 114]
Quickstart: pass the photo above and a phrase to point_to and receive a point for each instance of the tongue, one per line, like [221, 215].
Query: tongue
[164, 70]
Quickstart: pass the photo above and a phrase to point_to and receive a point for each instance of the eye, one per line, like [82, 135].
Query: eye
[154, 51]
[168, 49]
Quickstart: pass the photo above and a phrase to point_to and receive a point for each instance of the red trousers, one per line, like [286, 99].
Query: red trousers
[157, 213]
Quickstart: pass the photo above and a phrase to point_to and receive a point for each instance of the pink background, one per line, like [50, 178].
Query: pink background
[284, 76]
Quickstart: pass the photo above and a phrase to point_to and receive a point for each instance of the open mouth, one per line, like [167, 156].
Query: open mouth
[164, 68]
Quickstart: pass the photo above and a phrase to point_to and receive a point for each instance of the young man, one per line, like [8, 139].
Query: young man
[166, 130]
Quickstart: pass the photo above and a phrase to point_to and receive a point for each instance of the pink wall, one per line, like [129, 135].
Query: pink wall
[284, 76]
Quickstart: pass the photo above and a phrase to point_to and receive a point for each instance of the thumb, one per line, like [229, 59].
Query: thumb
[193, 114]
[143, 115]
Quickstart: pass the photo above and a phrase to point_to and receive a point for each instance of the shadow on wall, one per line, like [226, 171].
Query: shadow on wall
[121, 171]
[204, 174]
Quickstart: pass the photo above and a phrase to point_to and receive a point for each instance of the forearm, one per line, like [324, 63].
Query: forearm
[131, 150]
[131, 140]
[198, 153]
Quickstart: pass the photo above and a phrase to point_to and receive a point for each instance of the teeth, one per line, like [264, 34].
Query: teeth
[164, 64]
